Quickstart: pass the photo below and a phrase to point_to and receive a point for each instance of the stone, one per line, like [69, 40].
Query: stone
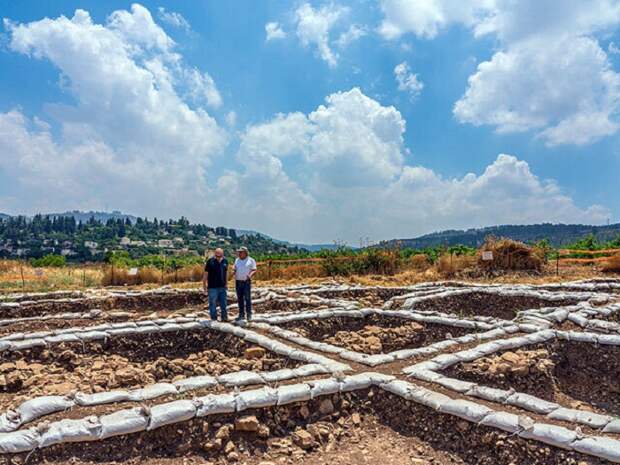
[356, 419]
[263, 431]
[249, 424]
[223, 433]
[304, 412]
[326, 407]
[303, 439]
[230, 447]
[255, 353]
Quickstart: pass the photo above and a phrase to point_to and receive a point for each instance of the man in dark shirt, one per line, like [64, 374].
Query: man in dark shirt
[214, 283]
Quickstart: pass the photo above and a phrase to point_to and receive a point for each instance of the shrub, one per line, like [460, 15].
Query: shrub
[49, 260]
[449, 264]
[611, 265]
[419, 262]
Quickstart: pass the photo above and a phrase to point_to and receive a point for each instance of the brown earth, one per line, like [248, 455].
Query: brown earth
[364, 427]
[374, 334]
[573, 374]
[125, 362]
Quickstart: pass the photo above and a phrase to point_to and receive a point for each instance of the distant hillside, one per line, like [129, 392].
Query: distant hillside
[94, 236]
[558, 234]
[309, 247]
[99, 216]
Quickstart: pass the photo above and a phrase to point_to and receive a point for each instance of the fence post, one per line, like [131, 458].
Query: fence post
[557, 264]
[84, 277]
[112, 274]
[21, 272]
[269, 268]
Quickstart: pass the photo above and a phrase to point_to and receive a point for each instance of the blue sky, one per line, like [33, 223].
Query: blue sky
[349, 119]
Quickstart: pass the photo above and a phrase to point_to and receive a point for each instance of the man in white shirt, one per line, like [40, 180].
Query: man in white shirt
[244, 269]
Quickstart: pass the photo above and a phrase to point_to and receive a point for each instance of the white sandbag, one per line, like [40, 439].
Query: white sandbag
[121, 331]
[67, 430]
[100, 398]
[399, 387]
[27, 344]
[123, 422]
[609, 339]
[44, 405]
[323, 387]
[431, 399]
[62, 338]
[216, 404]
[293, 393]
[355, 382]
[171, 412]
[532, 403]
[550, 434]
[241, 378]
[19, 441]
[488, 393]
[379, 359]
[380, 378]
[92, 335]
[310, 370]
[153, 391]
[605, 448]
[592, 419]
[455, 384]
[278, 375]
[465, 409]
[9, 421]
[612, 427]
[194, 383]
[502, 420]
[257, 398]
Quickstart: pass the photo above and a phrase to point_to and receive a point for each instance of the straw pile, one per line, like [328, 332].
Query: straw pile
[510, 255]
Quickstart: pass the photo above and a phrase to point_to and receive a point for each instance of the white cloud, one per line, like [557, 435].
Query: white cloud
[613, 49]
[314, 26]
[569, 93]
[173, 19]
[425, 18]
[349, 36]
[202, 87]
[550, 74]
[340, 172]
[407, 81]
[130, 137]
[274, 31]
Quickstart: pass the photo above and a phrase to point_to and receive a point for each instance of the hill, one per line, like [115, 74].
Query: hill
[83, 237]
[558, 234]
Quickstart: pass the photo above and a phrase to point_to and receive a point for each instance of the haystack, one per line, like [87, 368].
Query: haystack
[509, 255]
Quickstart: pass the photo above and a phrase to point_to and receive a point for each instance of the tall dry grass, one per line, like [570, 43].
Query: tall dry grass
[611, 264]
[114, 276]
[449, 265]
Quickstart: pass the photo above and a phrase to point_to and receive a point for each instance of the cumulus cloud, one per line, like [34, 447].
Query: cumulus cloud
[130, 136]
[173, 19]
[550, 75]
[342, 167]
[407, 81]
[314, 26]
[274, 31]
[349, 36]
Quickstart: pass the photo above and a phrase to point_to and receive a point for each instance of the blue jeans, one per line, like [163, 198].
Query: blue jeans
[244, 298]
[217, 294]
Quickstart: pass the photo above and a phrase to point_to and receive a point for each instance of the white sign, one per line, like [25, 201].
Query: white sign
[133, 272]
[487, 255]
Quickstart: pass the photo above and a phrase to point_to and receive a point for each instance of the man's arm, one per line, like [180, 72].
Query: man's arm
[253, 270]
[205, 277]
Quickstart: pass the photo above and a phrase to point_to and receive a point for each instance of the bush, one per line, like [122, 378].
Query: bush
[611, 265]
[49, 260]
[449, 264]
[419, 262]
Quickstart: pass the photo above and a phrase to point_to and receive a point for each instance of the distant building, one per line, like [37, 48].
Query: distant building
[178, 240]
[67, 252]
[125, 240]
[138, 243]
[90, 244]
[164, 243]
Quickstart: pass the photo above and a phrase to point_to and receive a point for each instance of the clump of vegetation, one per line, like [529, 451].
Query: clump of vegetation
[509, 255]
[611, 265]
[449, 264]
[50, 260]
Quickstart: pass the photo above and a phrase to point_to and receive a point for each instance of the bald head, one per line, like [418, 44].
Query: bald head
[219, 253]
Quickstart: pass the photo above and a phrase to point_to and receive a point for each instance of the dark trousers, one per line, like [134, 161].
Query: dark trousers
[244, 298]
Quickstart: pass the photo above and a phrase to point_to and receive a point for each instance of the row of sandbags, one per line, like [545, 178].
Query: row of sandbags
[430, 371]
[135, 420]
[491, 332]
[38, 407]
